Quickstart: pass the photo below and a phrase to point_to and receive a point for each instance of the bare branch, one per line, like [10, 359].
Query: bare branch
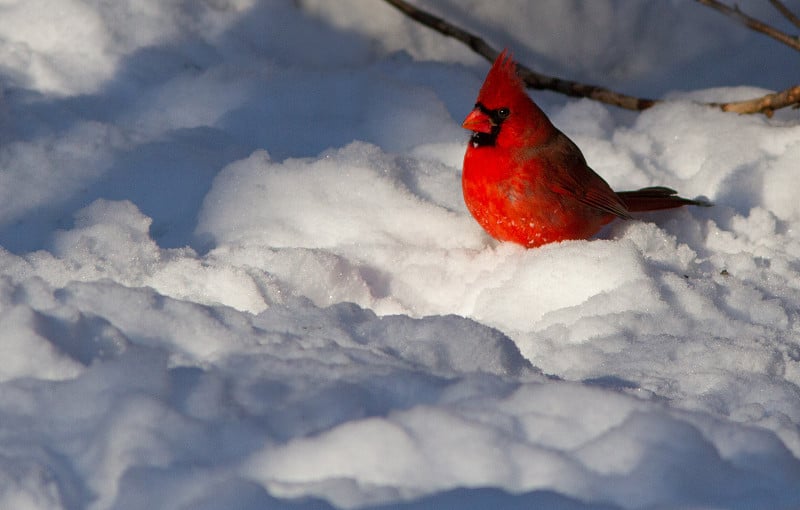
[532, 79]
[570, 88]
[786, 12]
[766, 104]
[750, 22]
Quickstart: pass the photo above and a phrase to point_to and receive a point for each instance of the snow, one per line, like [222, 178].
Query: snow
[236, 270]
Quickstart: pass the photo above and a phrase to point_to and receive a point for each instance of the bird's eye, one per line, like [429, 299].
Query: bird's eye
[503, 113]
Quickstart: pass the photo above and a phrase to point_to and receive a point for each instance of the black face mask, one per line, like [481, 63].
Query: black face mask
[497, 116]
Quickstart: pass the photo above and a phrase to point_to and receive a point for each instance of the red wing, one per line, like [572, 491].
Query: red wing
[581, 182]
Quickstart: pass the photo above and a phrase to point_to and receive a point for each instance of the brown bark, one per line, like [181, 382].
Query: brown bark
[766, 104]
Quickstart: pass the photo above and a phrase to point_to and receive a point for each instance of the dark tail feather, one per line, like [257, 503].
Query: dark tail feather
[656, 198]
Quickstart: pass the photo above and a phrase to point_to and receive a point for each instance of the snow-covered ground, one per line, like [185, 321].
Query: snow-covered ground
[236, 270]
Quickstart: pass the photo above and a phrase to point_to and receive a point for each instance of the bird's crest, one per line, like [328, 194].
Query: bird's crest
[502, 83]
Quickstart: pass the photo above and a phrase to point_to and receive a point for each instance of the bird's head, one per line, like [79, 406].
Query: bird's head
[504, 115]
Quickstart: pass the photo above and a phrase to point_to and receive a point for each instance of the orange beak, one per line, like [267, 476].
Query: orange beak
[478, 121]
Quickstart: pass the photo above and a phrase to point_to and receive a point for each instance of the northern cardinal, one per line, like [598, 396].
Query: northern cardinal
[525, 181]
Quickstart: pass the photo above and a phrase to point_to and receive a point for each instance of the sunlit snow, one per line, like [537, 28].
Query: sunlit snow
[236, 270]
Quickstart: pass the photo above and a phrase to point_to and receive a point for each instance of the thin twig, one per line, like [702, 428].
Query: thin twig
[788, 14]
[477, 44]
[750, 22]
[766, 104]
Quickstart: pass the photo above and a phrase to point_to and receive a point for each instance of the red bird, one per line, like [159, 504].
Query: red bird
[524, 181]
